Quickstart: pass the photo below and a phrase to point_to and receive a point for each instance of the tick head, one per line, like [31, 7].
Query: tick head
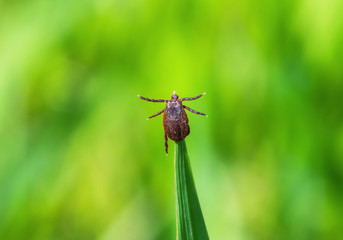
[174, 97]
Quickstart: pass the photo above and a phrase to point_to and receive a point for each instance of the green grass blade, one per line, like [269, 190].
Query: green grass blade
[190, 222]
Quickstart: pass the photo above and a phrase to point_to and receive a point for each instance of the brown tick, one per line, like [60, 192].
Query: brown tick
[175, 121]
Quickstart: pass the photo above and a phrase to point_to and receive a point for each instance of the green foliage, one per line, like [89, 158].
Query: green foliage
[78, 160]
[189, 219]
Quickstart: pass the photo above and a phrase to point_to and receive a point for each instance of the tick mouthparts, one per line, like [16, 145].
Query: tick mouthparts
[174, 93]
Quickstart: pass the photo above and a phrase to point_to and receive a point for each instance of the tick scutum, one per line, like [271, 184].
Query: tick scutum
[175, 120]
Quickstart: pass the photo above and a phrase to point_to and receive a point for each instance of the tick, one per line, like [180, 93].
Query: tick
[175, 120]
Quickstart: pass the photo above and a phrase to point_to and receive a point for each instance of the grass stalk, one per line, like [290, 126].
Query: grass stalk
[190, 222]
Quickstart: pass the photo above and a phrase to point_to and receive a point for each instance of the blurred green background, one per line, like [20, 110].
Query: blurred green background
[78, 160]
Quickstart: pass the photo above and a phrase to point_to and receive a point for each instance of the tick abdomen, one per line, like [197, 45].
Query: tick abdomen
[175, 121]
[175, 130]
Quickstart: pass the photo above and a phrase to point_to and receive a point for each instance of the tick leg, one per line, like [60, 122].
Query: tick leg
[193, 111]
[193, 98]
[151, 100]
[156, 114]
[166, 142]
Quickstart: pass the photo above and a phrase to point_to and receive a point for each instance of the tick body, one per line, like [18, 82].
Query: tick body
[175, 120]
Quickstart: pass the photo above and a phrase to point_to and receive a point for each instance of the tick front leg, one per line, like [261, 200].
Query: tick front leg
[193, 98]
[166, 142]
[193, 111]
[151, 100]
[156, 114]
